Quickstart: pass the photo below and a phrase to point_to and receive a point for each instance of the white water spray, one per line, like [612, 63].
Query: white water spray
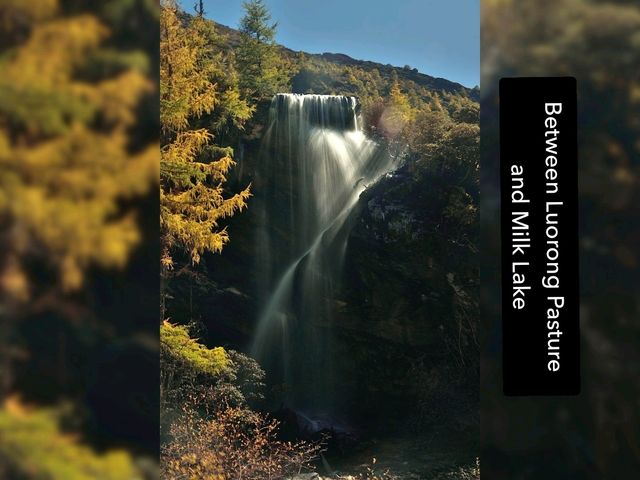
[317, 141]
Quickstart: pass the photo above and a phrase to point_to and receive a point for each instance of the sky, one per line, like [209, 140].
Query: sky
[438, 37]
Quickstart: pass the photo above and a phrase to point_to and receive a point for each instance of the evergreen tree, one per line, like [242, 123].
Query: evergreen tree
[262, 70]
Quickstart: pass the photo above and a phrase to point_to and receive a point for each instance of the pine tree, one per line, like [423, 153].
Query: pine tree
[193, 169]
[262, 70]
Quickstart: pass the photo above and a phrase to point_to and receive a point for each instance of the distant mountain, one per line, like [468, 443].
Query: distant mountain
[404, 73]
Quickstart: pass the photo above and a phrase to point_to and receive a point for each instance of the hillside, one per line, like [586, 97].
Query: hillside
[405, 74]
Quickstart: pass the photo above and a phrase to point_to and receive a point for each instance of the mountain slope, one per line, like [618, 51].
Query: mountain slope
[404, 74]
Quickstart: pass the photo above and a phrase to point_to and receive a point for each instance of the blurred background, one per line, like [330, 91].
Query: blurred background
[597, 434]
[79, 275]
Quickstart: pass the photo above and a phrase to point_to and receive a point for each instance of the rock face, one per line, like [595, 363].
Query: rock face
[404, 289]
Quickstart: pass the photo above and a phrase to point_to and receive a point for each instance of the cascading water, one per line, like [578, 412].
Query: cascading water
[316, 163]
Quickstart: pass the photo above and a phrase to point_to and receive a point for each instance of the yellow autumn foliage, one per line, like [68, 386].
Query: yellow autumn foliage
[76, 162]
[66, 162]
[193, 169]
[32, 445]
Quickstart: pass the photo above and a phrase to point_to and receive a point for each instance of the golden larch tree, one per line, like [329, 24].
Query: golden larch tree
[193, 169]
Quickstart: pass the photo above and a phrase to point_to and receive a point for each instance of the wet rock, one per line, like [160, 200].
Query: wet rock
[306, 476]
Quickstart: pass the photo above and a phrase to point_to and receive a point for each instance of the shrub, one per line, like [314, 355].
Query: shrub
[179, 348]
[230, 444]
[215, 375]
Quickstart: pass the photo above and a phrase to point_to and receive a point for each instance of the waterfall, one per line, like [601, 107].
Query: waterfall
[316, 162]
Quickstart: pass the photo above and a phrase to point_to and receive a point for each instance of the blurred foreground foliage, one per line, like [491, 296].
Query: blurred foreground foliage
[78, 167]
[33, 446]
[597, 434]
[66, 151]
